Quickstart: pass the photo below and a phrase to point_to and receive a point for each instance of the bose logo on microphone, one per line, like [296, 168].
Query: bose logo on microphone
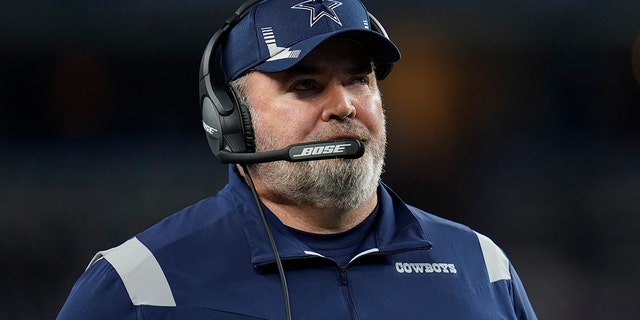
[326, 149]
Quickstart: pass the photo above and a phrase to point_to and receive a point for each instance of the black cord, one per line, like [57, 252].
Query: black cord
[272, 242]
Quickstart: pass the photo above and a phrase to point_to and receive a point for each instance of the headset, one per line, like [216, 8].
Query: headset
[227, 121]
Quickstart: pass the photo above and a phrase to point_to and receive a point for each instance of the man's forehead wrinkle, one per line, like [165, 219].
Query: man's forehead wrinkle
[303, 69]
[354, 66]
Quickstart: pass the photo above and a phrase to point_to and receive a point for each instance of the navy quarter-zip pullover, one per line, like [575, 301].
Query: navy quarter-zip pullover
[213, 260]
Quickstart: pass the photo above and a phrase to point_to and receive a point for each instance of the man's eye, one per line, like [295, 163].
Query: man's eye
[362, 80]
[303, 85]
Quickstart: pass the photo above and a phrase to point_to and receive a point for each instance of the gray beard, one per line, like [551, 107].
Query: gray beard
[337, 183]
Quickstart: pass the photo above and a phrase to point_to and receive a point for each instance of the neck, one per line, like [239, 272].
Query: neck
[311, 218]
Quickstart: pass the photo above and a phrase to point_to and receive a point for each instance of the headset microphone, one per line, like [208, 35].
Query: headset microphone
[320, 150]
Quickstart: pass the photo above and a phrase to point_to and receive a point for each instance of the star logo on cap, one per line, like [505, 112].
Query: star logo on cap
[319, 9]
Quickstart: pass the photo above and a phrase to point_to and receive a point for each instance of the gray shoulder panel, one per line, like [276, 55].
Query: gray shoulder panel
[140, 272]
[495, 260]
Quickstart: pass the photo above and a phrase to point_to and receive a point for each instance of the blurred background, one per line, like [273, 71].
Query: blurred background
[517, 118]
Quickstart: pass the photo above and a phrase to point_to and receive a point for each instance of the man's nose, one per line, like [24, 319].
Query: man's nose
[338, 103]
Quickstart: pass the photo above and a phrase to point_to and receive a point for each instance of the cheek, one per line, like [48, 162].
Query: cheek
[372, 115]
[283, 123]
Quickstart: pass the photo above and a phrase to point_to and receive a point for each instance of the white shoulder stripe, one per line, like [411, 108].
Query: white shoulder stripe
[495, 260]
[140, 272]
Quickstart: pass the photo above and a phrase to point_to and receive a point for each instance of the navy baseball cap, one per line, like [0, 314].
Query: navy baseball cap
[277, 34]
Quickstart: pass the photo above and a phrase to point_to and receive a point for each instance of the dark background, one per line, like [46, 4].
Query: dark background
[517, 118]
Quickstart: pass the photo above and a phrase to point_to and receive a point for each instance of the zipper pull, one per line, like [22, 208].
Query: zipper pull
[343, 275]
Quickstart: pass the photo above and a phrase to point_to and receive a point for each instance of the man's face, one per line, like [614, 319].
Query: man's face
[331, 94]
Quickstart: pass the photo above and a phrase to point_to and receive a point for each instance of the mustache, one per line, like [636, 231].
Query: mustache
[346, 129]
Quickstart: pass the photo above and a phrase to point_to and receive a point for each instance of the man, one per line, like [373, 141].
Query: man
[317, 239]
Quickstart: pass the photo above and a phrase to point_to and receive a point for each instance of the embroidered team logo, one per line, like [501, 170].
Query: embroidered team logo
[319, 9]
[425, 267]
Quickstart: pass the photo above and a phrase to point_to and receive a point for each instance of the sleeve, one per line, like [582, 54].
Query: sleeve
[98, 294]
[521, 303]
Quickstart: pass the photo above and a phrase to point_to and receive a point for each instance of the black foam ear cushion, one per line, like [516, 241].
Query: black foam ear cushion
[245, 119]
[247, 128]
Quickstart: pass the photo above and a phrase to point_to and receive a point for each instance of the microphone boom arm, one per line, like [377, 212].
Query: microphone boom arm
[321, 150]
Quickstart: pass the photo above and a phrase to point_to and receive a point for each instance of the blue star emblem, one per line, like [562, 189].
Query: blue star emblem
[319, 9]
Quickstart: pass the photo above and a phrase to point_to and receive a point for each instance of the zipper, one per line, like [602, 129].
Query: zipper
[346, 293]
[344, 279]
